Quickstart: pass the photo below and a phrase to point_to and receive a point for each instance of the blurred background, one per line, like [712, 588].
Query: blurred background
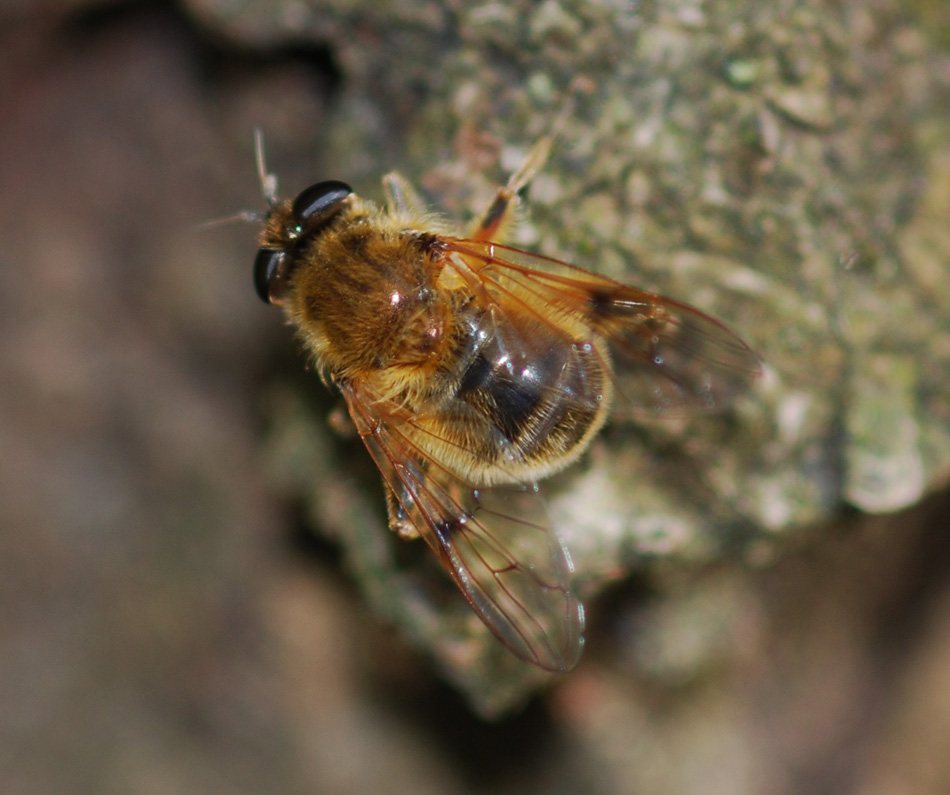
[173, 619]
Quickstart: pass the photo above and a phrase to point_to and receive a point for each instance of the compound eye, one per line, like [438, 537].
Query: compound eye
[319, 203]
[269, 272]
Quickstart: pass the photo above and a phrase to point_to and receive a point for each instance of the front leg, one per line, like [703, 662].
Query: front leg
[402, 201]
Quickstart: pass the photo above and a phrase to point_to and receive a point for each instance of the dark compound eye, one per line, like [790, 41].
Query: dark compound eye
[319, 203]
[269, 273]
[311, 209]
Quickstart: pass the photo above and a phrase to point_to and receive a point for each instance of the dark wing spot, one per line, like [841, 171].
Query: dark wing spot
[600, 304]
[609, 304]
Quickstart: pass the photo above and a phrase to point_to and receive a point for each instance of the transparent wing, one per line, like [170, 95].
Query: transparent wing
[666, 358]
[496, 543]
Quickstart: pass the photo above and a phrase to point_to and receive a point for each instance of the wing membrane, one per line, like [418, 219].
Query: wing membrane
[667, 358]
[496, 543]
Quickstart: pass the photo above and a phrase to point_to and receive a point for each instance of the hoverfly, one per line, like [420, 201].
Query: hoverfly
[472, 369]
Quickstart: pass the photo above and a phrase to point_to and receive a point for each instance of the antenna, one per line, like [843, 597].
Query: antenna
[268, 189]
[268, 181]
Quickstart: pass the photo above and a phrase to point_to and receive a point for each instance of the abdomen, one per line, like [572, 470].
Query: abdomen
[522, 402]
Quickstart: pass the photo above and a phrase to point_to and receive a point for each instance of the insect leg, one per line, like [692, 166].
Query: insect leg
[500, 213]
[401, 198]
[498, 217]
[399, 522]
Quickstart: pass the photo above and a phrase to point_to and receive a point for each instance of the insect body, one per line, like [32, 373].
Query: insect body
[472, 369]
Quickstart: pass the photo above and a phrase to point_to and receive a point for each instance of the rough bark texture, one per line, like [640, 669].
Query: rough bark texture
[783, 166]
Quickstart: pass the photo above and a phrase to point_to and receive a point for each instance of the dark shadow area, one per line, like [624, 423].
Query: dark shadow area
[487, 756]
[903, 618]
[217, 60]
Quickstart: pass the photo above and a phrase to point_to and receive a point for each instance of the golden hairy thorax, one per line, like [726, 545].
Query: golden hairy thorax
[364, 292]
[374, 302]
